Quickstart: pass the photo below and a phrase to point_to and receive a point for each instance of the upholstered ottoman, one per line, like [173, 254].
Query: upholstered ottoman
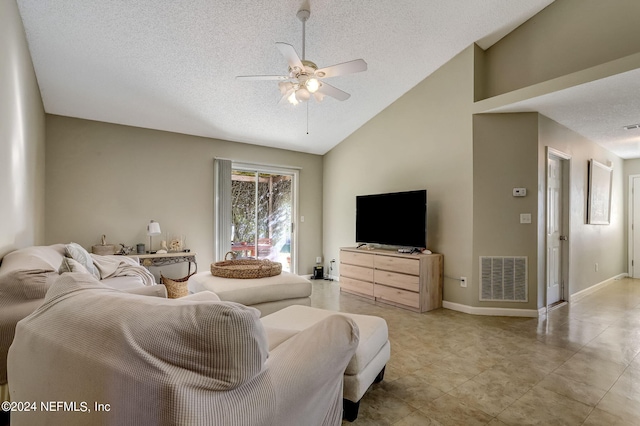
[266, 294]
[368, 363]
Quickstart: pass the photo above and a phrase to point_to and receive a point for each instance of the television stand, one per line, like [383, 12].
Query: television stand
[410, 281]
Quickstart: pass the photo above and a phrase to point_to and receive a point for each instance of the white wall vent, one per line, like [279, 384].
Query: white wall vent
[503, 278]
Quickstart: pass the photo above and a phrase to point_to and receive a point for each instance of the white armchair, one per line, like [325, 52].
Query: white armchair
[149, 360]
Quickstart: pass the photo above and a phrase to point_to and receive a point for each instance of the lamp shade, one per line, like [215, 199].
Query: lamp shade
[153, 228]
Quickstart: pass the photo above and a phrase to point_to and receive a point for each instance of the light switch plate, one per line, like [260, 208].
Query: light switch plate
[525, 217]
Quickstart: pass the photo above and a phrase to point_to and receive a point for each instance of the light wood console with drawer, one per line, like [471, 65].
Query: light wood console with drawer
[411, 281]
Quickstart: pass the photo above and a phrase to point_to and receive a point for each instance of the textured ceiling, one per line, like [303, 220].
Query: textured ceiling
[597, 110]
[171, 65]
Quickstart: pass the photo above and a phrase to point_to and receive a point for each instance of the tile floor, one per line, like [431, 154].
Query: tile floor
[579, 366]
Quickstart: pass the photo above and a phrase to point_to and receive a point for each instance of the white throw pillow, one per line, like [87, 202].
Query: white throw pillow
[71, 265]
[79, 254]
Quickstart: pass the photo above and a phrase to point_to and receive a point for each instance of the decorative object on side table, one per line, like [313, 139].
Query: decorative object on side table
[176, 243]
[125, 250]
[153, 229]
[163, 247]
[104, 249]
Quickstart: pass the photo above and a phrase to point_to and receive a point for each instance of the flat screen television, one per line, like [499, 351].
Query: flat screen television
[395, 219]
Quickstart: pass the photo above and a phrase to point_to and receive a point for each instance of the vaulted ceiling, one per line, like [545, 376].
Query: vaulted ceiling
[172, 65]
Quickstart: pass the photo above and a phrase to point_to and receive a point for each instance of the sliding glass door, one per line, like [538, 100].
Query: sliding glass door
[262, 212]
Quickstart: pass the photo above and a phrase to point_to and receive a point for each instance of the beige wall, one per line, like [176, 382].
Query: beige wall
[505, 156]
[421, 141]
[429, 139]
[565, 37]
[21, 138]
[588, 244]
[112, 179]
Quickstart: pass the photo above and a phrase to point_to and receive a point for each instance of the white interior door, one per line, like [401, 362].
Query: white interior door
[557, 227]
[635, 227]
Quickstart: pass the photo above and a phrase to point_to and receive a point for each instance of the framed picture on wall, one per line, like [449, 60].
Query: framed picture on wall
[599, 194]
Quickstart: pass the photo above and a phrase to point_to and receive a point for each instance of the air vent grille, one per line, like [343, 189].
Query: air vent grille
[503, 278]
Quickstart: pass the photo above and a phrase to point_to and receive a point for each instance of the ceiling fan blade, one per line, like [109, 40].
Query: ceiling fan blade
[262, 77]
[290, 55]
[350, 67]
[334, 92]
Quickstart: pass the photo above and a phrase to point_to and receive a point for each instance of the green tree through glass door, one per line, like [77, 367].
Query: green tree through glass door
[261, 215]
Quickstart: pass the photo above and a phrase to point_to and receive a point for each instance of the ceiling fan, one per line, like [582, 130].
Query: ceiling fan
[305, 79]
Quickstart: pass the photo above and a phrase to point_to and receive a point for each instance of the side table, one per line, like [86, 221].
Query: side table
[162, 259]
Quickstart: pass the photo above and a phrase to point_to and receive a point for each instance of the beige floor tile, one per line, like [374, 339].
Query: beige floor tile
[570, 388]
[412, 389]
[543, 407]
[592, 371]
[623, 399]
[450, 411]
[382, 408]
[417, 418]
[601, 418]
[442, 378]
[491, 398]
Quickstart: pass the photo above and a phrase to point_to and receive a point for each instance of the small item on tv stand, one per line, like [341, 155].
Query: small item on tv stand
[365, 246]
[414, 250]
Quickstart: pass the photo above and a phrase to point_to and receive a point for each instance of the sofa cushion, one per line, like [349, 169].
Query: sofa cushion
[24, 284]
[223, 342]
[36, 257]
[79, 254]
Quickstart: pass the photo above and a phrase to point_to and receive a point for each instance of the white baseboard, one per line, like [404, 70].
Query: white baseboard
[499, 312]
[587, 291]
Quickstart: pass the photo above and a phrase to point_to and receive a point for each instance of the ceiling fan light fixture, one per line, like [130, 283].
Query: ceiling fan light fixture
[284, 87]
[312, 84]
[302, 94]
[293, 100]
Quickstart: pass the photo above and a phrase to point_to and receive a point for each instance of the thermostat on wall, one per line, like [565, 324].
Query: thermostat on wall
[519, 192]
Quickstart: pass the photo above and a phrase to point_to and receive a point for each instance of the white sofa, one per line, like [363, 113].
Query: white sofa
[173, 361]
[27, 274]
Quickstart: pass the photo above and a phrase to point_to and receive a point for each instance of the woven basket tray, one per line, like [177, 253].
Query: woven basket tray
[246, 268]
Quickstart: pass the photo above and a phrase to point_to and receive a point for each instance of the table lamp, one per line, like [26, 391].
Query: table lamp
[153, 229]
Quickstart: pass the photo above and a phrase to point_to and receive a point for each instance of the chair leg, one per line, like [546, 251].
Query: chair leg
[350, 410]
[380, 375]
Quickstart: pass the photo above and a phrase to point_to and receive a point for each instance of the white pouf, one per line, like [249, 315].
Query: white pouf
[266, 294]
[366, 366]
